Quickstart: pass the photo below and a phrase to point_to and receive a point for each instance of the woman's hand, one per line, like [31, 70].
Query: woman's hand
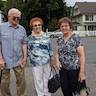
[24, 62]
[81, 76]
[58, 66]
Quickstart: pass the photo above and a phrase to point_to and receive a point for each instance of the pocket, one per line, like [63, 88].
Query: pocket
[5, 36]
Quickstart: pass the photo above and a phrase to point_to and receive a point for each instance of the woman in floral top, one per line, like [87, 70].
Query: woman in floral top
[40, 53]
[71, 62]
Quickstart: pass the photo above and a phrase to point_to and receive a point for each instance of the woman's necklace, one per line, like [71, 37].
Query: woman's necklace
[37, 33]
[67, 36]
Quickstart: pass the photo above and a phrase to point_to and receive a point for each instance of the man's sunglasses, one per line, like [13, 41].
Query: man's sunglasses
[16, 18]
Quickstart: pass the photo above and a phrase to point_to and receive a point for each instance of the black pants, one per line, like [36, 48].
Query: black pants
[69, 80]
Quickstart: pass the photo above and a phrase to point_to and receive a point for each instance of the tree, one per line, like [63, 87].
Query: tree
[47, 9]
[1, 5]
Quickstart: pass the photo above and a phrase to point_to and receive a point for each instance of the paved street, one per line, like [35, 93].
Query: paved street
[90, 49]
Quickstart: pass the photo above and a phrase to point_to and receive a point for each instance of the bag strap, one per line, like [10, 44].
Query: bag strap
[53, 70]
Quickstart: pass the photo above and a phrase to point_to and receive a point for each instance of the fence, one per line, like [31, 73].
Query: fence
[85, 33]
[55, 34]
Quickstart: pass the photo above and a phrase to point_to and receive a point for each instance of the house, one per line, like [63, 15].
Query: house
[84, 16]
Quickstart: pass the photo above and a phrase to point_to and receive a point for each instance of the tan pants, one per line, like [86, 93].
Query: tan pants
[20, 81]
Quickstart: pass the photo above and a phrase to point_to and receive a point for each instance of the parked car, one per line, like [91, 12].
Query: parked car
[2, 17]
[56, 34]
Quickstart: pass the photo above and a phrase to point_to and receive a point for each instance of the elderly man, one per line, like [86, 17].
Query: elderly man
[13, 52]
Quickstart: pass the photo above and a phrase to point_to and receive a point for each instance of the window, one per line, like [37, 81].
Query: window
[75, 27]
[94, 27]
[89, 17]
[90, 27]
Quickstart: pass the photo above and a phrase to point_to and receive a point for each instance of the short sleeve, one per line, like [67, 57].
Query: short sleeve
[24, 37]
[60, 41]
[79, 41]
[50, 48]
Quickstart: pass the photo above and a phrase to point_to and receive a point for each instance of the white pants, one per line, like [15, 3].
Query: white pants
[41, 75]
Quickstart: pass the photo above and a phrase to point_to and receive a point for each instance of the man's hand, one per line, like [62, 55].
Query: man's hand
[2, 64]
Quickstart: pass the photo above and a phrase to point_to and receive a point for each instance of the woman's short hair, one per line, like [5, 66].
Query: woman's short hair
[35, 19]
[65, 19]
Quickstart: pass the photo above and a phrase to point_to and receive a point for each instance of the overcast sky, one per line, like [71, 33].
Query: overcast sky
[72, 2]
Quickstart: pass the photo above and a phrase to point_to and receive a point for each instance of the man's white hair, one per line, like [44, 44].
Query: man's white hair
[14, 10]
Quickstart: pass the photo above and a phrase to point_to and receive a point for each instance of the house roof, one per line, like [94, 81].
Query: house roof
[86, 7]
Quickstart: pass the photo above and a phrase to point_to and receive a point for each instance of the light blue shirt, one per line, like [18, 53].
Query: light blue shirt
[40, 50]
[11, 40]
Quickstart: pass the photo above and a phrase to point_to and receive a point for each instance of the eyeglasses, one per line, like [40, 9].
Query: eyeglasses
[65, 25]
[16, 18]
[37, 25]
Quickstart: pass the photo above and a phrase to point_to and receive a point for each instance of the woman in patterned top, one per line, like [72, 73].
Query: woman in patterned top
[70, 58]
[40, 53]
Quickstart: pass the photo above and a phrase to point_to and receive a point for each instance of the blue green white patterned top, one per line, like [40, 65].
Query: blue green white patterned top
[40, 49]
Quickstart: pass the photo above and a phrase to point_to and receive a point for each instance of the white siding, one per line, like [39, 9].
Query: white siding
[83, 18]
[94, 18]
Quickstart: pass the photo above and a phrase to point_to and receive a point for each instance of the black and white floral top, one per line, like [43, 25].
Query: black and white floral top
[68, 55]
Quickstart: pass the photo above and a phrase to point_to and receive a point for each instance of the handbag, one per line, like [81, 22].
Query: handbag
[54, 83]
[82, 89]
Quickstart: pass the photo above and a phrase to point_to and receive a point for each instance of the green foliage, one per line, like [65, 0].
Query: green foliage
[53, 24]
[1, 5]
[49, 10]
